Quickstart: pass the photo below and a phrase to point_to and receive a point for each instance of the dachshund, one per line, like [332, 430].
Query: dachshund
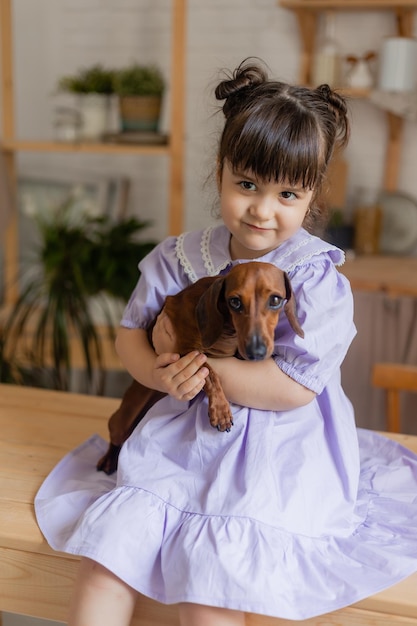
[231, 315]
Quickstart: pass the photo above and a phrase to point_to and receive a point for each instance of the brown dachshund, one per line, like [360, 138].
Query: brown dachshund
[222, 316]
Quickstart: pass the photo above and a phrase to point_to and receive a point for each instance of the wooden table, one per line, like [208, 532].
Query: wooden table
[393, 275]
[37, 428]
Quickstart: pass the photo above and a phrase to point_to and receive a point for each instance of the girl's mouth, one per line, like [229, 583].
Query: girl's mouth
[256, 228]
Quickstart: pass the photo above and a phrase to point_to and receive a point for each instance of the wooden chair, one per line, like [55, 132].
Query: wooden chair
[394, 378]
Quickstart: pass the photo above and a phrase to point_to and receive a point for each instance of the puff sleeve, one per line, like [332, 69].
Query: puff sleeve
[161, 275]
[325, 310]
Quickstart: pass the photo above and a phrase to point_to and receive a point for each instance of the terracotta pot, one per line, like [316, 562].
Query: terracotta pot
[140, 113]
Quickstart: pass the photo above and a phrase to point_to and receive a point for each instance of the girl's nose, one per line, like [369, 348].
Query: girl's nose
[263, 208]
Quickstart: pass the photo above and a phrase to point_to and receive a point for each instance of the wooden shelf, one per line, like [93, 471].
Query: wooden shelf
[347, 5]
[85, 147]
[10, 145]
[308, 14]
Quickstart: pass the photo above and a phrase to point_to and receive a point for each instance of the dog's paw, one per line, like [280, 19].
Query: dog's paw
[222, 420]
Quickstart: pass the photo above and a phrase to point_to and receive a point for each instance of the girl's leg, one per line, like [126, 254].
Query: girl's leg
[200, 615]
[100, 598]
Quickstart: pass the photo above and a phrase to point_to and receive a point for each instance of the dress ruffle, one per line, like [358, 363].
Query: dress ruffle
[174, 555]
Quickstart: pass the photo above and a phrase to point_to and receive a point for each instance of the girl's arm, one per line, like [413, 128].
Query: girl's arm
[260, 385]
[183, 378]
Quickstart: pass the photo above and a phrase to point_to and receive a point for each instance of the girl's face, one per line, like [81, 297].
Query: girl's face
[260, 216]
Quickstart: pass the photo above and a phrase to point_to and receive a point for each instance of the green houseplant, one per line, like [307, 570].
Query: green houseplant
[95, 79]
[93, 87]
[140, 89]
[11, 371]
[80, 256]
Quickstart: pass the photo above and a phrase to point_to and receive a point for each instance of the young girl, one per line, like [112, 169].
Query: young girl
[292, 513]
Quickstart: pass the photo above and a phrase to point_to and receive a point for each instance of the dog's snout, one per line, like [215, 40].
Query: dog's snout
[256, 348]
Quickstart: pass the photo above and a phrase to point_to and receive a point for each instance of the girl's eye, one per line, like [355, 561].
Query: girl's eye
[247, 185]
[288, 195]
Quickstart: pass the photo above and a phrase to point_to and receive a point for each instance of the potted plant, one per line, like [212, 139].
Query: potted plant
[80, 256]
[338, 232]
[93, 87]
[10, 370]
[140, 89]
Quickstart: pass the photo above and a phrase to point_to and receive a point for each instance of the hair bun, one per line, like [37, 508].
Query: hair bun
[236, 87]
[338, 104]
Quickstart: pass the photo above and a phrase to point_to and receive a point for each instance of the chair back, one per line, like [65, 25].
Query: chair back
[394, 378]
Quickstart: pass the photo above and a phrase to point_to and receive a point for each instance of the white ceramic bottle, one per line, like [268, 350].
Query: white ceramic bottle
[326, 61]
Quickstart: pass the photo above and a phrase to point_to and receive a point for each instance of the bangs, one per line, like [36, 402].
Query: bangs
[274, 148]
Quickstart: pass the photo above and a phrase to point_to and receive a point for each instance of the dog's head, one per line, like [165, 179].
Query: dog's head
[250, 298]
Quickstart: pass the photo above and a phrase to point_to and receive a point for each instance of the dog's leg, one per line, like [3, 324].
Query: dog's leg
[136, 402]
[220, 415]
[108, 462]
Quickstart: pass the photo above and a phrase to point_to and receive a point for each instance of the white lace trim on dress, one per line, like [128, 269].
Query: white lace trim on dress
[182, 257]
[211, 269]
[307, 257]
[206, 257]
[205, 251]
[300, 260]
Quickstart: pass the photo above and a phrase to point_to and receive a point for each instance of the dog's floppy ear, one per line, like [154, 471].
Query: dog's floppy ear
[290, 308]
[211, 313]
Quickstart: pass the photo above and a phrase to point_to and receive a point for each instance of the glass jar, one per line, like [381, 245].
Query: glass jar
[67, 124]
[367, 219]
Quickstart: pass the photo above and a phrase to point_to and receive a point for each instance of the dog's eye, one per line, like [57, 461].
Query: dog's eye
[235, 304]
[276, 302]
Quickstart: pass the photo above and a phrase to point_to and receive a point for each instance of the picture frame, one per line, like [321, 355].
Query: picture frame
[39, 193]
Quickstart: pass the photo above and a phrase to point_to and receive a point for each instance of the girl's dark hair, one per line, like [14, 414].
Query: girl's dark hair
[280, 132]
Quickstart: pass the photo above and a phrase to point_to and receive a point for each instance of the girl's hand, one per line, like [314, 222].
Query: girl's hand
[180, 377]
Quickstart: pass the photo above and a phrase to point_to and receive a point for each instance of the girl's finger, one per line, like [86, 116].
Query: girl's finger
[193, 385]
[195, 391]
[188, 365]
[167, 358]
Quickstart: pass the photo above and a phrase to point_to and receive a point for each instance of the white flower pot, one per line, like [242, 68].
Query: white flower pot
[95, 116]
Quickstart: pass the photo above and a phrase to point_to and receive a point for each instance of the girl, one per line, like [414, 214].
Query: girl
[291, 514]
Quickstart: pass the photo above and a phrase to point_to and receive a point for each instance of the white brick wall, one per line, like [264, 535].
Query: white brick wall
[55, 37]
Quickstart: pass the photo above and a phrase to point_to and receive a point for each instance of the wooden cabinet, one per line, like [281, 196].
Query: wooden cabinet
[10, 145]
[308, 13]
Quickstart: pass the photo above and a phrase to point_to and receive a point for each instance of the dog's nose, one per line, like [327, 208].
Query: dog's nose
[256, 348]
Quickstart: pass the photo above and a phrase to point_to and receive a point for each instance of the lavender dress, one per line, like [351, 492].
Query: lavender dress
[291, 514]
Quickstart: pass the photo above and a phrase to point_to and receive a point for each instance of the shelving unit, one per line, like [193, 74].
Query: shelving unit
[308, 14]
[10, 145]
